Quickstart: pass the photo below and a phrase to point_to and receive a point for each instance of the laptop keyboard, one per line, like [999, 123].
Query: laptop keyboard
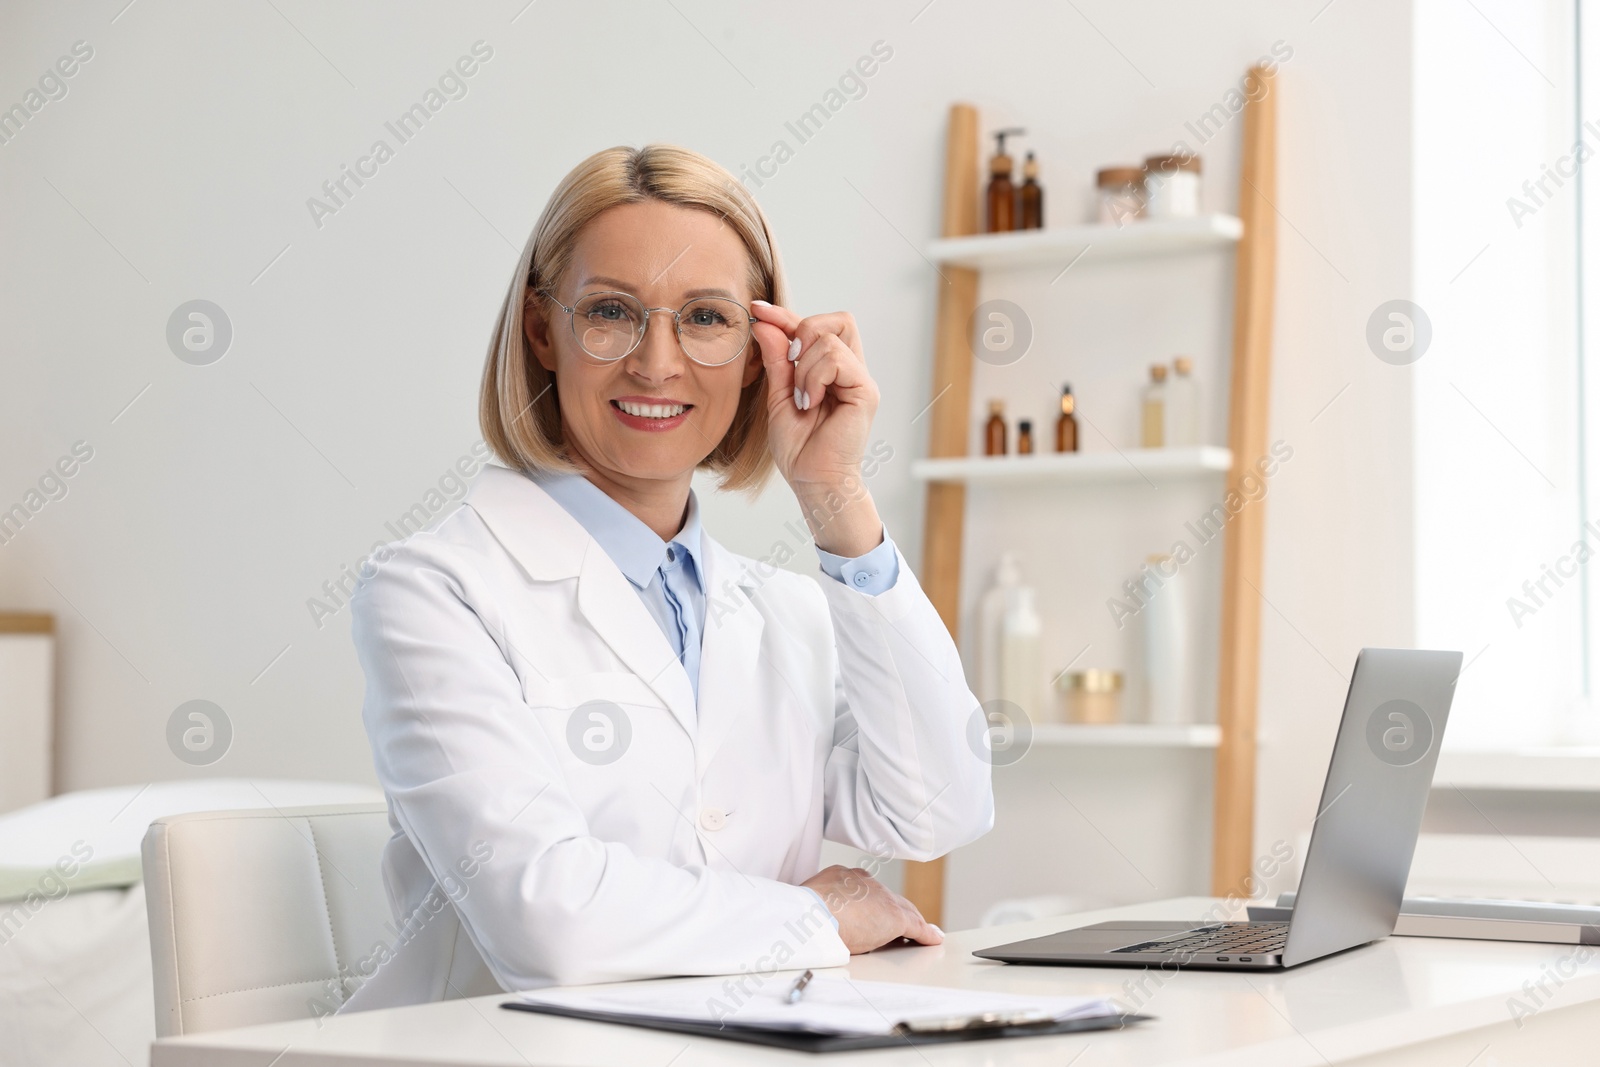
[1231, 939]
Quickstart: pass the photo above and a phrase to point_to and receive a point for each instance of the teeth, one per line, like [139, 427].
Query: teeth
[652, 411]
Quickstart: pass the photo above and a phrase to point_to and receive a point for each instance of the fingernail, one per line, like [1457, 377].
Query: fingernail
[797, 403]
[794, 350]
[763, 303]
[935, 926]
[805, 401]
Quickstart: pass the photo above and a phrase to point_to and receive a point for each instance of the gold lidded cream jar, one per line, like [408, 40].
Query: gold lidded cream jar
[1092, 696]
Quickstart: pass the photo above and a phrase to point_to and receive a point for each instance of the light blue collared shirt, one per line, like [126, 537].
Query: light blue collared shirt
[669, 576]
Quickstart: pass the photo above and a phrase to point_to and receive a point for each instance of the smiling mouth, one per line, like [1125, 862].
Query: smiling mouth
[650, 411]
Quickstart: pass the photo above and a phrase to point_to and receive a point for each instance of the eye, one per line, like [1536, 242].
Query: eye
[608, 311]
[707, 316]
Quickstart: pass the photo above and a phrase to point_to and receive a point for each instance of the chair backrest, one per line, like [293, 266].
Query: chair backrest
[256, 916]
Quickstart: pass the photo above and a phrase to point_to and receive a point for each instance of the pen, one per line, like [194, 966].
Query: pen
[799, 987]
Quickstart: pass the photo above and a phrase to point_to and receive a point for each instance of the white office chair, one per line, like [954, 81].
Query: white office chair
[255, 914]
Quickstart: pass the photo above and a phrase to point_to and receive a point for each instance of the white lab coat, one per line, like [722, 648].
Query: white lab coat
[823, 712]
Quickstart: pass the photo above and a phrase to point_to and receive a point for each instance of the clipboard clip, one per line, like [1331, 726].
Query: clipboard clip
[988, 1020]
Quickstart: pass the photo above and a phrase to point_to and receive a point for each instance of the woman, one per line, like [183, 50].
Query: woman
[612, 748]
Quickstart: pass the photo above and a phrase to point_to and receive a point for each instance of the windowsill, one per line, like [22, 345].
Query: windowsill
[1574, 769]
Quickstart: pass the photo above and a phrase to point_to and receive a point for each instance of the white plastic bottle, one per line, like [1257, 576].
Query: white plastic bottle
[1020, 681]
[991, 612]
[1168, 659]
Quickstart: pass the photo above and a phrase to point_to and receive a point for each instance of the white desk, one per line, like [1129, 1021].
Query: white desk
[1402, 1001]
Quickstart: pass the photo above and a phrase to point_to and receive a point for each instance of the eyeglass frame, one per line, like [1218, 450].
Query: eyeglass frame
[677, 324]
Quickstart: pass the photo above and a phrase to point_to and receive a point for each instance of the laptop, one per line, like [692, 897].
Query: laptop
[1362, 840]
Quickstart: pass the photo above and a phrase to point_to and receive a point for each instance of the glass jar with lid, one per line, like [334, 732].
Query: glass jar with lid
[1172, 186]
[1120, 194]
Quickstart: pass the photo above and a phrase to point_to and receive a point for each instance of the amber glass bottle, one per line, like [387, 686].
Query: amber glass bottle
[994, 431]
[1067, 424]
[1031, 196]
[1002, 216]
[1025, 437]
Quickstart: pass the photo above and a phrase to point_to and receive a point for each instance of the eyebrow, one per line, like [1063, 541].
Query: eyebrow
[622, 286]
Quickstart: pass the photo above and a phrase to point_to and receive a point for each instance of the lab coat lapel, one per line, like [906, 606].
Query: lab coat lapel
[730, 668]
[612, 606]
[550, 545]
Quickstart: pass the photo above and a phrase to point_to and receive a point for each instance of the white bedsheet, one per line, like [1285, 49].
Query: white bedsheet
[75, 982]
[96, 833]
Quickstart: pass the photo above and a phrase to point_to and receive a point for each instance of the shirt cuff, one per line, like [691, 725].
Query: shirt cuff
[825, 909]
[873, 573]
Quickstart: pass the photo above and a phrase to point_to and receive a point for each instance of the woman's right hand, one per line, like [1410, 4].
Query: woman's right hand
[870, 914]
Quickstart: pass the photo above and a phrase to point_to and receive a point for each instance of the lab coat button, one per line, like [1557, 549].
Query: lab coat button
[712, 819]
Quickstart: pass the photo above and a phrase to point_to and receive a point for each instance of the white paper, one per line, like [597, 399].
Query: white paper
[829, 1005]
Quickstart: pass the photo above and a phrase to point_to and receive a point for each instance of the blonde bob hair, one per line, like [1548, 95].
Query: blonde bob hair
[519, 412]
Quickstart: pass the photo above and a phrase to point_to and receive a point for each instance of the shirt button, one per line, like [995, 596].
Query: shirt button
[864, 577]
[672, 556]
[713, 819]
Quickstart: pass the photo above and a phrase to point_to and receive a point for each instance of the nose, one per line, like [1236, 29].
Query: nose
[659, 356]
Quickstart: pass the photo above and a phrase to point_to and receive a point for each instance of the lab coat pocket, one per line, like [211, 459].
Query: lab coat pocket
[566, 694]
[614, 727]
[598, 716]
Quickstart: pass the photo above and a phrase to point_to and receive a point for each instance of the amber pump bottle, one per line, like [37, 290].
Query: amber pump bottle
[1031, 196]
[1002, 216]
[1025, 437]
[1067, 423]
[994, 431]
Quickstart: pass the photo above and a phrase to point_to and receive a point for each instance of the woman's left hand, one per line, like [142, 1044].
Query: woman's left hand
[820, 398]
[820, 406]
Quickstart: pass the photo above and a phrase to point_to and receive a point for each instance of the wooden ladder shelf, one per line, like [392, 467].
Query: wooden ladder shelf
[1233, 805]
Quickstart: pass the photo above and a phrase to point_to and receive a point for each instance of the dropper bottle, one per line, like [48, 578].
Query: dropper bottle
[1031, 196]
[994, 431]
[1067, 423]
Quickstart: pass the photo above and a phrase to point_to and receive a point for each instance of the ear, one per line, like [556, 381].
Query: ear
[752, 364]
[536, 330]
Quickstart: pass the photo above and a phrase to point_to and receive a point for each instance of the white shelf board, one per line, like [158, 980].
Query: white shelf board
[1129, 465]
[1059, 247]
[1553, 769]
[1128, 735]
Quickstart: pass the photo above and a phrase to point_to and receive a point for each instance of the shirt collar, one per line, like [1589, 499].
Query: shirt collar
[632, 546]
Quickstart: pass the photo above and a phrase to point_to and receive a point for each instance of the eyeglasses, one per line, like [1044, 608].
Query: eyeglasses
[608, 326]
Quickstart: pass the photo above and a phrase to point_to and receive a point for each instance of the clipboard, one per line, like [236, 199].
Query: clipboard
[974, 1028]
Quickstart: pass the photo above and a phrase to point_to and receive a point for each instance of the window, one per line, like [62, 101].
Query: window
[1501, 422]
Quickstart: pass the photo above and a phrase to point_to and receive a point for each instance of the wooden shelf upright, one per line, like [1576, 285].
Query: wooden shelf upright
[1233, 802]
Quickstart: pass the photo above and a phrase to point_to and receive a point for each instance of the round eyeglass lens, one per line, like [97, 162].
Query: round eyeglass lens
[607, 325]
[713, 331]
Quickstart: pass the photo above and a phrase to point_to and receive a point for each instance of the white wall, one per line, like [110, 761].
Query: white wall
[179, 164]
